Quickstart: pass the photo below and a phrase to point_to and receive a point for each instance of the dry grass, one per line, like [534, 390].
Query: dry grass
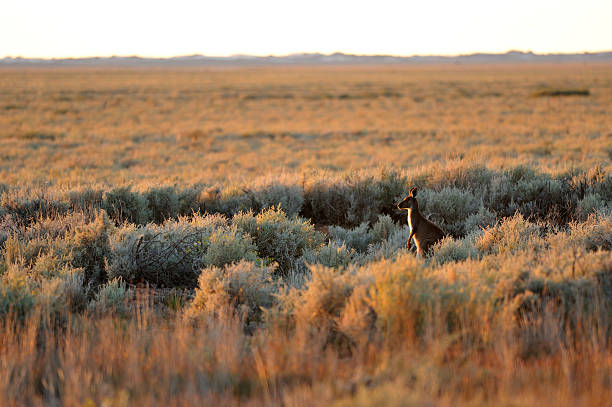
[315, 301]
[73, 127]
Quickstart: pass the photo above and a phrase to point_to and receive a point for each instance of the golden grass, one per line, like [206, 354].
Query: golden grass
[523, 318]
[109, 126]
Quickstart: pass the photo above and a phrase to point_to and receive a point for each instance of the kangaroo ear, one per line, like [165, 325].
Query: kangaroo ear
[413, 192]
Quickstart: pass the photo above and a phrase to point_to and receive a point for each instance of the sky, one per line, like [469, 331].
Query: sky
[80, 28]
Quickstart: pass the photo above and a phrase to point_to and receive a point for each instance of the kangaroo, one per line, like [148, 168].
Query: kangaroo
[425, 232]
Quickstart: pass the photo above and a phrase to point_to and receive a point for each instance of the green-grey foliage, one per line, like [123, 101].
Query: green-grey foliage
[111, 299]
[17, 298]
[173, 253]
[246, 287]
[449, 208]
[449, 250]
[333, 254]
[91, 248]
[124, 205]
[279, 237]
[163, 203]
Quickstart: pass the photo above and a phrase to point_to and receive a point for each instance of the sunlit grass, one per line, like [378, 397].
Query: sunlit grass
[230, 237]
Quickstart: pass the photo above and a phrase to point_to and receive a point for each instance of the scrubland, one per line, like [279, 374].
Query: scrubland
[230, 236]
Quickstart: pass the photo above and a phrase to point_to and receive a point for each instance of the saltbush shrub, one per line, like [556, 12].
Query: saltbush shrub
[189, 201]
[452, 250]
[357, 238]
[510, 235]
[27, 209]
[362, 237]
[228, 200]
[8, 226]
[386, 249]
[479, 220]
[27, 252]
[111, 299]
[326, 293]
[124, 205]
[278, 237]
[63, 294]
[289, 198]
[87, 199]
[17, 297]
[405, 296]
[325, 201]
[246, 287]
[172, 254]
[52, 263]
[91, 248]
[333, 254]
[591, 203]
[593, 234]
[163, 203]
[228, 245]
[449, 208]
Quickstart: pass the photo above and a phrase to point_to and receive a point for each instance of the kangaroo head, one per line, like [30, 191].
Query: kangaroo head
[410, 201]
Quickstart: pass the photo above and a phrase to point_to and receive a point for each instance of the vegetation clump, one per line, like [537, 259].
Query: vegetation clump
[552, 92]
[279, 238]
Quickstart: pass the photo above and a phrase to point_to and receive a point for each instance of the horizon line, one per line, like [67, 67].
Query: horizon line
[442, 55]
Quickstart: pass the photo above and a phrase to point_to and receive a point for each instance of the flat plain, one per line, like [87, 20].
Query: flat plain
[229, 235]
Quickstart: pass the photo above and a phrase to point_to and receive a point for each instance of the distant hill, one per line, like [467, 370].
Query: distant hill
[311, 59]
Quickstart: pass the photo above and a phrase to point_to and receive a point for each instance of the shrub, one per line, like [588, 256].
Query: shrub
[245, 286]
[552, 92]
[277, 237]
[62, 294]
[27, 253]
[386, 249]
[7, 228]
[17, 297]
[333, 254]
[326, 295]
[455, 174]
[358, 238]
[510, 235]
[361, 237]
[287, 197]
[229, 200]
[49, 228]
[325, 201]
[28, 209]
[111, 299]
[189, 201]
[594, 234]
[449, 208]
[363, 202]
[533, 195]
[86, 199]
[479, 220]
[163, 203]
[173, 253]
[389, 190]
[451, 250]
[591, 203]
[409, 300]
[51, 264]
[91, 248]
[383, 228]
[226, 246]
[124, 205]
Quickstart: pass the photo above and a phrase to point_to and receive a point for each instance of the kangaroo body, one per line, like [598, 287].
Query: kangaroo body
[424, 232]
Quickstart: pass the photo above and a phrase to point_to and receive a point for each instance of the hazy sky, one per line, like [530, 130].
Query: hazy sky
[68, 28]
